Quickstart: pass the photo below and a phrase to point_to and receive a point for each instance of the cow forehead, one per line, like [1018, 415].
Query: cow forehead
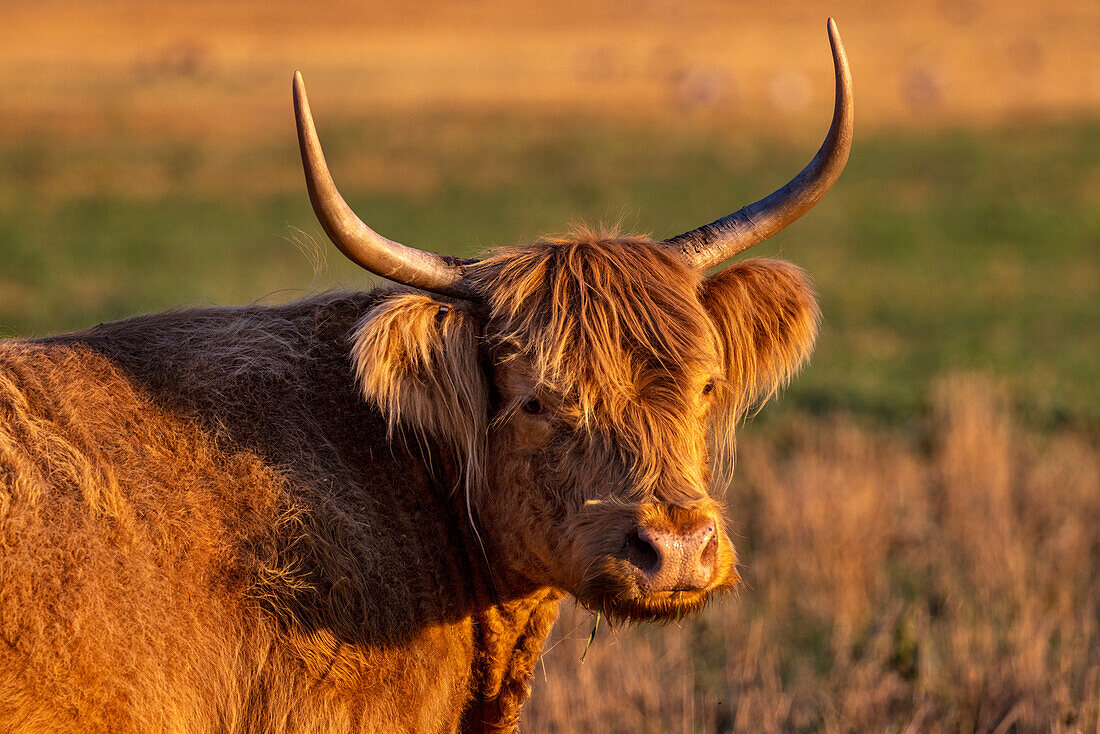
[518, 379]
[599, 321]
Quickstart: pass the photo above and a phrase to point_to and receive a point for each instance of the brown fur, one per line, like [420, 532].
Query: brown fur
[418, 360]
[252, 519]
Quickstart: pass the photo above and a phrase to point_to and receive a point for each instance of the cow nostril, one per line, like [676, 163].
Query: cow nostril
[709, 554]
[642, 553]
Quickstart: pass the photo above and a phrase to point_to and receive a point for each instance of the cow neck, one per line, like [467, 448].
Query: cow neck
[479, 583]
[509, 638]
[513, 616]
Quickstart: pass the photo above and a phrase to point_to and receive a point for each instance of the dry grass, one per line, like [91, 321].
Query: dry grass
[943, 582]
[205, 68]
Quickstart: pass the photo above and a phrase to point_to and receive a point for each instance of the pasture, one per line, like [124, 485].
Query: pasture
[918, 515]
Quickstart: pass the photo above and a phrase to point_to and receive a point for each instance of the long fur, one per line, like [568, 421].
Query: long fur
[767, 316]
[417, 359]
[627, 333]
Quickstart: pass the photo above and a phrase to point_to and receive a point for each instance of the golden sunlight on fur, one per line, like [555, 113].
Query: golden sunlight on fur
[417, 360]
[627, 335]
[641, 367]
[767, 317]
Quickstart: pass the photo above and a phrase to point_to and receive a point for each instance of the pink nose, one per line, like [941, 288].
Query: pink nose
[673, 559]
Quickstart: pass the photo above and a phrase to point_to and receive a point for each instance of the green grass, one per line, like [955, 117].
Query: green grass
[937, 252]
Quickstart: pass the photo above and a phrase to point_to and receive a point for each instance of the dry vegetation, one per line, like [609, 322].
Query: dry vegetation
[207, 68]
[942, 582]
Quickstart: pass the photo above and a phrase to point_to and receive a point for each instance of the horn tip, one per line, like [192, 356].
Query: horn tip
[840, 58]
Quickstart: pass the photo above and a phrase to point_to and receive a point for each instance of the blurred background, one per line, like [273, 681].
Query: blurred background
[918, 515]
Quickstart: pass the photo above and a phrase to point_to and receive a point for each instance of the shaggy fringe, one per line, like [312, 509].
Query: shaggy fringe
[620, 335]
[627, 334]
[593, 311]
[612, 327]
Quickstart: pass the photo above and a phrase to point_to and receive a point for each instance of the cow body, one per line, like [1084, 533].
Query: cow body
[204, 527]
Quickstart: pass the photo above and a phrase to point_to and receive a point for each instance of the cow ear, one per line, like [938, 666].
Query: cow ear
[766, 315]
[417, 360]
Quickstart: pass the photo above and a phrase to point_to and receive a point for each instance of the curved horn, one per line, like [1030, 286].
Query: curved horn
[718, 241]
[361, 244]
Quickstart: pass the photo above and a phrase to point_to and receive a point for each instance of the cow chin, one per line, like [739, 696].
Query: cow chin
[614, 592]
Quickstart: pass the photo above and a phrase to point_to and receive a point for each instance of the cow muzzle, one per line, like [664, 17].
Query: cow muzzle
[674, 557]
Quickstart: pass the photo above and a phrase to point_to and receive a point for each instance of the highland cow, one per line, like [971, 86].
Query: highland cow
[360, 511]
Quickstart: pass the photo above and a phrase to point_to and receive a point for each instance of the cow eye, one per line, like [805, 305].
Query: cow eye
[709, 387]
[533, 407]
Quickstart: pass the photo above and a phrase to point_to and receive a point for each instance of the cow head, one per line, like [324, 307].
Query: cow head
[589, 385]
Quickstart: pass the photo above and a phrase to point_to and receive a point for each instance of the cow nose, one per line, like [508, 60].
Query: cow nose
[674, 558]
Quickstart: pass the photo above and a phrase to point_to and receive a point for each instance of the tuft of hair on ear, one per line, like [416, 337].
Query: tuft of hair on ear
[417, 359]
[766, 315]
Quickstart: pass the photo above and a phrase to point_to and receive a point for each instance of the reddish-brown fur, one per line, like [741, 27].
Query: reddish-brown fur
[335, 516]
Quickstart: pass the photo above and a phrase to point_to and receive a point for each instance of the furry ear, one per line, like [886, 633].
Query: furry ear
[417, 359]
[766, 315]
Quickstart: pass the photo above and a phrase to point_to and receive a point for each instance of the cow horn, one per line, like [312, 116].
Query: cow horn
[361, 244]
[718, 241]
